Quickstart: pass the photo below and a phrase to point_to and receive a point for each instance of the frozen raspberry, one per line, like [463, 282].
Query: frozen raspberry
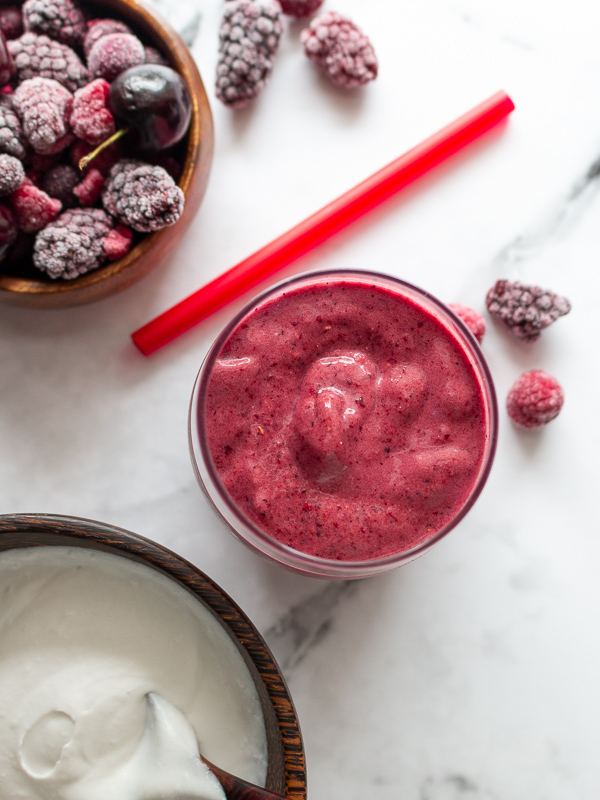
[142, 196]
[472, 319]
[339, 48]
[59, 182]
[102, 162]
[117, 243]
[534, 399]
[152, 56]
[300, 8]
[114, 53]
[12, 140]
[11, 21]
[38, 56]
[44, 108]
[248, 40]
[33, 208]
[73, 244]
[91, 120]
[526, 310]
[12, 174]
[97, 28]
[90, 188]
[61, 20]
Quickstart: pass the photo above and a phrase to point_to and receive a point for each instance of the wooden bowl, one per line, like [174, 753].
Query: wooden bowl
[286, 773]
[25, 288]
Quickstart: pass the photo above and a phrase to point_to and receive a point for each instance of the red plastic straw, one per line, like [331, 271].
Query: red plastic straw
[324, 223]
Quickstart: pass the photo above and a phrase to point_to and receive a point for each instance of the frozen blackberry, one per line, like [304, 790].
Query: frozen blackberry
[472, 319]
[91, 120]
[73, 244]
[248, 40]
[38, 56]
[33, 207]
[12, 174]
[142, 196]
[526, 310]
[534, 399]
[300, 8]
[59, 182]
[97, 28]
[61, 20]
[11, 21]
[339, 48]
[44, 108]
[113, 54]
[12, 140]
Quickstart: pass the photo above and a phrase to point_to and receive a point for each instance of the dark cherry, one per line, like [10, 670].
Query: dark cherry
[8, 231]
[154, 102]
[7, 67]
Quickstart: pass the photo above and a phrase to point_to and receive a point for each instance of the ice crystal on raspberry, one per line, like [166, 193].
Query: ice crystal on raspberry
[142, 196]
[526, 310]
[73, 244]
[61, 20]
[91, 120]
[248, 40]
[534, 399]
[472, 319]
[44, 108]
[38, 56]
[12, 174]
[33, 207]
[339, 48]
[114, 53]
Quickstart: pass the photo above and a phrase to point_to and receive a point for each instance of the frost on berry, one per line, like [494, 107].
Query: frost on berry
[61, 20]
[142, 196]
[300, 8]
[33, 207]
[38, 56]
[248, 40]
[59, 182]
[11, 21]
[89, 190]
[472, 319]
[339, 48]
[114, 53]
[12, 140]
[73, 244]
[526, 310]
[534, 399]
[12, 174]
[97, 28]
[91, 120]
[44, 108]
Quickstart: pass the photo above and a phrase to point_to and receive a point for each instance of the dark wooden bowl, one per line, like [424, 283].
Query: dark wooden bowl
[286, 773]
[25, 288]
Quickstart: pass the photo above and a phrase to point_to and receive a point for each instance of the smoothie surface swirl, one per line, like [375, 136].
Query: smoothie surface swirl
[345, 419]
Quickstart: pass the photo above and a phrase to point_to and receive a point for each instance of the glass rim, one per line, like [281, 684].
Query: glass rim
[262, 542]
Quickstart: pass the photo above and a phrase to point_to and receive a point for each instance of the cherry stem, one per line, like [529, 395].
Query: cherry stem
[83, 162]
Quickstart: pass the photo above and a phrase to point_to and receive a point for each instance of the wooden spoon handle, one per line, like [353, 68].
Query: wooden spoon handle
[238, 789]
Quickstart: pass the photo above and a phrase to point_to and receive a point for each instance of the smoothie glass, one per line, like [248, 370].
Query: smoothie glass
[430, 478]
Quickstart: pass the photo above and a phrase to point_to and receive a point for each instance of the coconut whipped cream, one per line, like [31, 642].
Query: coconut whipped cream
[112, 678]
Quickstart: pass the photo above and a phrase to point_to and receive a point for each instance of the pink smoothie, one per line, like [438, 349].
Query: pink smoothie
[346, 420]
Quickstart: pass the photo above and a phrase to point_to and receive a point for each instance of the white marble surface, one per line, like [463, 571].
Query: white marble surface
[472, 672]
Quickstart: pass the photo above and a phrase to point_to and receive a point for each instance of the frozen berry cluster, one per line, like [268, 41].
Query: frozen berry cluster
[79, 97]
[536, 397]
[249, 38]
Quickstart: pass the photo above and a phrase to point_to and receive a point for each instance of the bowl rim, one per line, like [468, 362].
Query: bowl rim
[163, 35]
[286, 772]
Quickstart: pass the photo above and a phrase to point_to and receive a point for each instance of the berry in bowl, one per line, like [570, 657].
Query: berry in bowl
[343, 423]
[106, 145]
